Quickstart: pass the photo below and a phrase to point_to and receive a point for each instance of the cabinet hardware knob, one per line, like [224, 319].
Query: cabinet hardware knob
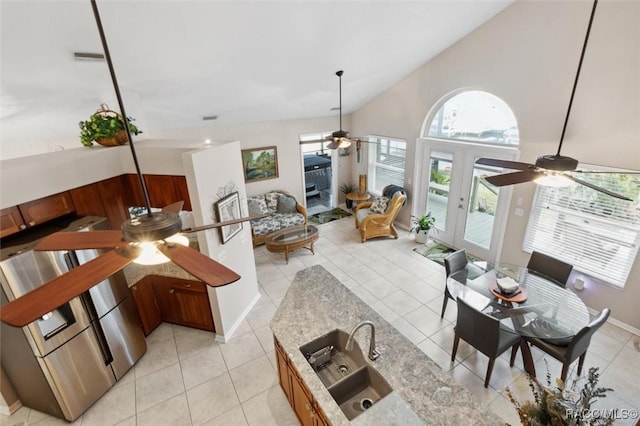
[32, 223]
[171, 291]
[23, 226]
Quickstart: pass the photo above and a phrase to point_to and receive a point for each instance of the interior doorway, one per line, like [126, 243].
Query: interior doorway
[317, 164]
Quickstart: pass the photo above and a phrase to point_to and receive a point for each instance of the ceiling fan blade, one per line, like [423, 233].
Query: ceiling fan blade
[597, 188]
[505, 164]
[174, 207]
[513, 178]
[60, 290]
[622, 172]
[200, 266]
[225, 223]
[81, 241]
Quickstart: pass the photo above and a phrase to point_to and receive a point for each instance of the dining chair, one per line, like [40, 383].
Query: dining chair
[483, 332]
[455, 262]
[576, 347]
[550, 267]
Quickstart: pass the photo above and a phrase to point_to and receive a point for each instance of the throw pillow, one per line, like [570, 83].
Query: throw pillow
[257, 206]
[286, 204]
[379, 205]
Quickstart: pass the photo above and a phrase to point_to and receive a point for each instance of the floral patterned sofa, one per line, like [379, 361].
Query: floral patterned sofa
[282, 209]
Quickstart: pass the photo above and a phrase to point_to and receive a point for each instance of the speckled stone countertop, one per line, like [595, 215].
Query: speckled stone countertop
[317, 303]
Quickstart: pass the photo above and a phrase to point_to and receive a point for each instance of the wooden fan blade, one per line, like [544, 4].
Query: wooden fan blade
[60, 290]
[505, 164]
[597, 188]
[200, 266]
[225, 223]
[174, 207]
[81, 241]
[513, 178]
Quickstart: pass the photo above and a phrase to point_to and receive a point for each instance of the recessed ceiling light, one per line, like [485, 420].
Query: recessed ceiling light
[209, 117]
[88, 56]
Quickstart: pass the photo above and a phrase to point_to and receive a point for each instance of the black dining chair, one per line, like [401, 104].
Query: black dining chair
[576, 347]
[455, 262]
[550, 267]
[483, 332]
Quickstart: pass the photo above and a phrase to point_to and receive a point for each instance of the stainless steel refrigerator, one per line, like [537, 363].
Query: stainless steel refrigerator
[63, 362]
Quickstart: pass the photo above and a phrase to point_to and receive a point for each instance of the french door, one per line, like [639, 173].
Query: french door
[470, 213]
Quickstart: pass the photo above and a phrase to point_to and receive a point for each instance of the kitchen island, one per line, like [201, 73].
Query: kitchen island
[317, 303]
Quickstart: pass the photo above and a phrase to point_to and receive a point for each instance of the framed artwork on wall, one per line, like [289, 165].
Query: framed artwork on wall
[228, 208]
[343, 152]
[260, 163]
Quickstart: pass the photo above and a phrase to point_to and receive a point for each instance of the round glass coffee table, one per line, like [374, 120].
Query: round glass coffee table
[293, 238]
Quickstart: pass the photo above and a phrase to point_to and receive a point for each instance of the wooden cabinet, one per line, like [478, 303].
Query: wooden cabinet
[104, 198]
[145, 301]
[297, 393]
[163, 190]
[17, 218]
[11, 221]
[48, 208]
[183, 302]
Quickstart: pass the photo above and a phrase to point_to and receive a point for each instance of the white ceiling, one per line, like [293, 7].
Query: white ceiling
[179, 60]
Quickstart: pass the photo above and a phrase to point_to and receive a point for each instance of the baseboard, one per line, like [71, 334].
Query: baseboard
[7, 411]
[226, 337]
[617, 323]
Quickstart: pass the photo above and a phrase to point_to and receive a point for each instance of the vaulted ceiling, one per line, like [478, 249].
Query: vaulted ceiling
[180, 60]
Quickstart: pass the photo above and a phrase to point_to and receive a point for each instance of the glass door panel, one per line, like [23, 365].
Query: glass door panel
[439, 185]
[481, 210]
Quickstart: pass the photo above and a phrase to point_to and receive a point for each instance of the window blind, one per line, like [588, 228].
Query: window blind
[389, 159]
[596, 233]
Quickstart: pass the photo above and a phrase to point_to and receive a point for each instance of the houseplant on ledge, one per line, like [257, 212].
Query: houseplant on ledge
[106, 127]
[421, 226]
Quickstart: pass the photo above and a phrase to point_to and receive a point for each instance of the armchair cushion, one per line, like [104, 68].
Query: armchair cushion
[379, 205]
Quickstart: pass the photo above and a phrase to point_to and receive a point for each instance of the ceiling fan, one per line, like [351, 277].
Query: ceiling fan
[554, 169]
[341, 138]
[155, 230]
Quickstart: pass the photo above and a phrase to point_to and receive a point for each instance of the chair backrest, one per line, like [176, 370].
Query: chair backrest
[455, 262]
[393, 209]
[580, 343]
[477, 328]
[550, 267]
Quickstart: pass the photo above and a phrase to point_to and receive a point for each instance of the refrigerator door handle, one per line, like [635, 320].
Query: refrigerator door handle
[97, 327]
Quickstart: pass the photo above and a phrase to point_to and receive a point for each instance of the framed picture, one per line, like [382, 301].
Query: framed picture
[228, 208]
[260, 163]
[343, 152]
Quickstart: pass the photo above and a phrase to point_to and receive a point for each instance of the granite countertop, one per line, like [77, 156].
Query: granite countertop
[317, 303]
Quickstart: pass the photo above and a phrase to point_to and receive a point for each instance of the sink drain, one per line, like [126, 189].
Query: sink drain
[343, 369]
[366, 403]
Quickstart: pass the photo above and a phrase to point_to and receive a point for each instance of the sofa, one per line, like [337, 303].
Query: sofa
[282, 210]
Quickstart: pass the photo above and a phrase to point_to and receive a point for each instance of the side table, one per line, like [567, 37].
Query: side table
[356, 197]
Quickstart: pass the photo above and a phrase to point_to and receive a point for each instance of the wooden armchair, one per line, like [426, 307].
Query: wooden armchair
[373, 225]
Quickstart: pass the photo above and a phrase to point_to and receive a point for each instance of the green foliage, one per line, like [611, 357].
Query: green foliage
[348, 187]
[439, 177]
[562, 405]
[422, 223]
[103, 126]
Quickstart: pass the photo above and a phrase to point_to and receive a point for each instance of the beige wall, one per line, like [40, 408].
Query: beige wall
[528, 55]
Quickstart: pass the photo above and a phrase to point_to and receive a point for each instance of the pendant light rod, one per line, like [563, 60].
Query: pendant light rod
[575, 82]
[339, 74]
[112, 71]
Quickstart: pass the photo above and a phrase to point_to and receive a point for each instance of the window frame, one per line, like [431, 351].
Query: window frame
[375, 142]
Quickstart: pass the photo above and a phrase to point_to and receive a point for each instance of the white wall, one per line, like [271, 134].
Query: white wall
[208, 171]
[528, 55]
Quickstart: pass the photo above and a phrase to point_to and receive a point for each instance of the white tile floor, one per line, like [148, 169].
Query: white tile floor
[186, 378]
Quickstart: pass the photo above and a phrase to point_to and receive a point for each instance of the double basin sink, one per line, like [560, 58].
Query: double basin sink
[351, 381]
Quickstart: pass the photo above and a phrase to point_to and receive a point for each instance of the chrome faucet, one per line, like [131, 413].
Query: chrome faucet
[373, 353]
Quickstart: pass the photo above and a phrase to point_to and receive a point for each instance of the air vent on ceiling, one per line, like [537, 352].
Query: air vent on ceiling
[88, 56]
[209, 117]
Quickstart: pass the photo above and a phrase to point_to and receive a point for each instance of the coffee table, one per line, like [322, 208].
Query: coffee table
[293, 238]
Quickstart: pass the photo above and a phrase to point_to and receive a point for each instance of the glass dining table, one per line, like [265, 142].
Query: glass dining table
[541, 307]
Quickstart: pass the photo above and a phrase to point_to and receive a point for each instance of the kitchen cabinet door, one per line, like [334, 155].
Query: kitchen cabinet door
[192, 305]
[87, 201]
[162, 288]
[162, 190]
[302, 404]
[44, 209]
[112, 196]
[283, 372]
[182, 191]
[145, 300]
[11, 221]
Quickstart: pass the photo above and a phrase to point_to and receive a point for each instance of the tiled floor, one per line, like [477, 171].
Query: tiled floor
[186, 378]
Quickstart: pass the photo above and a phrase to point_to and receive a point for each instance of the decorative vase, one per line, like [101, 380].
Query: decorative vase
[422, 236]
[120, 138]
[349, 204]
[362, 187]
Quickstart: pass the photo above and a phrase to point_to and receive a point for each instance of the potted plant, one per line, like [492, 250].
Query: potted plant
[105, 127]
[421, 226]
[347, 188]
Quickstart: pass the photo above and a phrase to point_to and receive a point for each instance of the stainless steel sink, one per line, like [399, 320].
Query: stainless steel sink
[351, 381]
[359, 391]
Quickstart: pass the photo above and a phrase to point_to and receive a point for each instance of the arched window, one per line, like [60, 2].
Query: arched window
[475, 116]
